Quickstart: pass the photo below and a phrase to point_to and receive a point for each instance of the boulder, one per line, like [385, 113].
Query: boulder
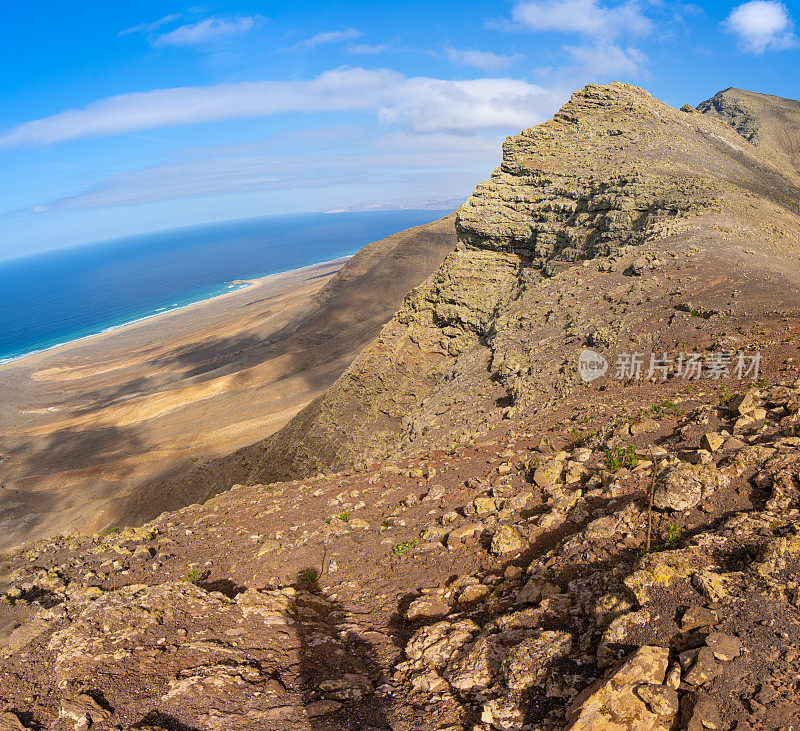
[507, 539]
[682, 486]
[613, 704]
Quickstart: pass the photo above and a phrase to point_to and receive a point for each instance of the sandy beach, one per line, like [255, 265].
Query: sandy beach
[83, 423]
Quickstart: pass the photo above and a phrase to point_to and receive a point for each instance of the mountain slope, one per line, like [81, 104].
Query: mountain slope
[616, 180]
[537, 552]
[319, 343]
[769, 122]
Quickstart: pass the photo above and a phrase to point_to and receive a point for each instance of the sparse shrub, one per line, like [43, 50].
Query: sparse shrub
[400, 549]
[619, 457]
[673, 534]
[309, 577]
[193, 576]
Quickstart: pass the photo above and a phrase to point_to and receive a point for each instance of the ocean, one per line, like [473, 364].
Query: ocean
[60, 296]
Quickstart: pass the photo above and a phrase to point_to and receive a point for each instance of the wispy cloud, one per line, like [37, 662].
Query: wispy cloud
[485, 60]
[207, 30]
[761, 25]
[441, 164]
[419, 104]
[150, 27]
[367, 48]
[330, 36]
[586, 17]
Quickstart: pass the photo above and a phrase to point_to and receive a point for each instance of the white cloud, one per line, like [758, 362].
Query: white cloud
[418, 104]
[330, 36]
[150, 27]
[761, 25]
[586, 17]
[430, 105]
[485, 60]
[207, 30]
[603, 61]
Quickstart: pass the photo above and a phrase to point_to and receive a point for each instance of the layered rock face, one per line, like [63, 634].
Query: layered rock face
[570, 189]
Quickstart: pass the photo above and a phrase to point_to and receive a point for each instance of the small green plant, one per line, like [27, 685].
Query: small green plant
[691, 388]
[661, 409]
[401, 549]
[796, 430]
[763, 382]
[109, 531]
[329, 519]
[725, 395]
[193, 459]
[620, 457]
[790, 338]
[309, 577]
[673, 534]
[193, 576]
[344, 516]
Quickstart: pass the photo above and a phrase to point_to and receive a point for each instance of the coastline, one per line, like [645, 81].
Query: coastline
[237, 286]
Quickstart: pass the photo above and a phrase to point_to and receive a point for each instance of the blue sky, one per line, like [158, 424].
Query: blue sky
[121, 118]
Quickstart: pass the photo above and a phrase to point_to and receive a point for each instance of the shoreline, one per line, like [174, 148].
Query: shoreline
[237, 285]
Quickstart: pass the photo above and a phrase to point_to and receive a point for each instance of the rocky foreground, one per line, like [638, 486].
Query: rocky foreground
[504, 585]
[463, 534]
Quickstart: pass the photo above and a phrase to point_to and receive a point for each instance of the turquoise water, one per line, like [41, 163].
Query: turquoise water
[60, 296]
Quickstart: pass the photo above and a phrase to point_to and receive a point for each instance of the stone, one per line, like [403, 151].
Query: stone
[349, 687]
[725, 647]
[485, 505]
[743, 403]
[682, 486]
[473, 594]
[697, 616]
[475, 666]
[548, 473]
[703, 669]
[83, 711]
[507, 539]
[712, 441]
[435, 493]
[10, 722]
[644, 426]
[612, 704]
[529, 662]
[659, 571]
[434, 645]
[660, 699]
[427, 607]
[503, 714]
[458, 536]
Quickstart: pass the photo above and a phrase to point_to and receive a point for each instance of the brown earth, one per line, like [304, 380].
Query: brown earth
[473, 537]
[84, 429]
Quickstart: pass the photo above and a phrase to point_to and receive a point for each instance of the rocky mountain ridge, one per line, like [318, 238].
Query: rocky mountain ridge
[473, 537]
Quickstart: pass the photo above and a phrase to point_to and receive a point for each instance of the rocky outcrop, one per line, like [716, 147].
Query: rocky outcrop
[616, 176]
